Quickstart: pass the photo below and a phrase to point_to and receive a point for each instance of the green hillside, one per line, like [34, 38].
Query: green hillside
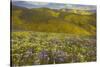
[50, 20]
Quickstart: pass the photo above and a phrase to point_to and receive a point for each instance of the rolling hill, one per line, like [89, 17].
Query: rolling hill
[70, 21]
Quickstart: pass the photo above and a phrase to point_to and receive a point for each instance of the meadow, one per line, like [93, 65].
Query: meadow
[37, 48]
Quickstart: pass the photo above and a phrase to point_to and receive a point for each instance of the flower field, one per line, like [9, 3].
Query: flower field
[37, 48]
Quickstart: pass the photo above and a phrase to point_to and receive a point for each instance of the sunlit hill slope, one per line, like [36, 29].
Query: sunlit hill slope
[70, 21]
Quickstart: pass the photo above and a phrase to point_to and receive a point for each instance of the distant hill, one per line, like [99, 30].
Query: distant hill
[77, 11]
[31, 4]
[79, 22]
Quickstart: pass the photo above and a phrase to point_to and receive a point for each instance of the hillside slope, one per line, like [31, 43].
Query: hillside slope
[50, 20]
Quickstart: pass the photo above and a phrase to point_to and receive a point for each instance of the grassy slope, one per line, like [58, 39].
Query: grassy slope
[48, 20]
